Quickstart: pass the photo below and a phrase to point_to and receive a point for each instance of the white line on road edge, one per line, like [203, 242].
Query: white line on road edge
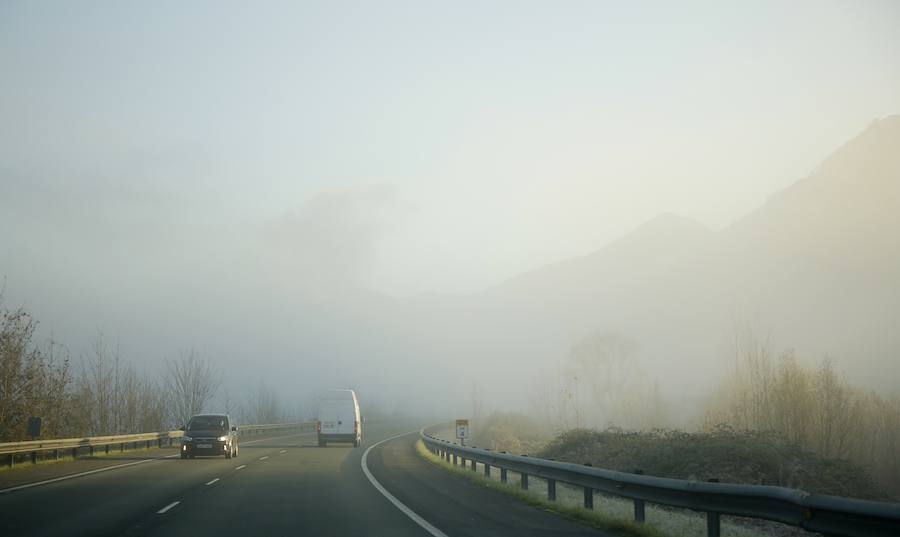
[107, 468]
[241, 466]
[166, 508]
[397, 503]
[264, 458]
[82, 474]
[213, 481]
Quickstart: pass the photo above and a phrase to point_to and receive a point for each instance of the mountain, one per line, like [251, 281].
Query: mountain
[817, 268]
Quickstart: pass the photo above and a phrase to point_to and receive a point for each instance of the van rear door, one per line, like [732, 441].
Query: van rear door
[329, 417]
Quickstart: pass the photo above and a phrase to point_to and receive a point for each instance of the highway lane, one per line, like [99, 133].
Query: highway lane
[284, 486]
[107, 503]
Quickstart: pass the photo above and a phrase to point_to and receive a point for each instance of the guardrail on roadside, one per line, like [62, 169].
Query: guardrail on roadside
[829, 515]
[74, 446]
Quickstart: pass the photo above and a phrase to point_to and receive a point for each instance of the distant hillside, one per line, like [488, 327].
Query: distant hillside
[817, 266]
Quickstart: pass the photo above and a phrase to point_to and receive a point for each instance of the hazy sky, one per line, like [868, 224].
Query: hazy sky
[412, 146]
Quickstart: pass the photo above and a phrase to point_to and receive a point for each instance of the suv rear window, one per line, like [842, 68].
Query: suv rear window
[199, 423]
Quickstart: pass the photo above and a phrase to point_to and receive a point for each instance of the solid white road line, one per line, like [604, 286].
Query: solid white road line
[277, 438]
[166, 508]
[213, 481]
[108, 468]
[241, 467]
[81, 474]
[397, 503]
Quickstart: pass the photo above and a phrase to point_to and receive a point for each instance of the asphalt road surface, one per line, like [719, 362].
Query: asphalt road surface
[277, 486]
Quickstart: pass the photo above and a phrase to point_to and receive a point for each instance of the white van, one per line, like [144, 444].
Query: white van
[339, 419]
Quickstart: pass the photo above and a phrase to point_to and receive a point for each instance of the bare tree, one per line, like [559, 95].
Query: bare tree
[191, 383]
[20, 371]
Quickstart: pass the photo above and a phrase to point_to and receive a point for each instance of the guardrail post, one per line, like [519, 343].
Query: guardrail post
[551, 490]
[11, 460]
[713, 520]
[487, 470]
[713, 525]
[91, 451]
[56, 454]
[106, 449]
[503, 475]
[34, 457]
[74, 452]
[524, 481]
[589, 498]
[122, 447]
[639, 505]
[473, 465]
[454, 459]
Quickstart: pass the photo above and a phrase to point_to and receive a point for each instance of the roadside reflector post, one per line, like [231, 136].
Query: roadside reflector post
[503, 475]
[524, 481]
[588, 498]
[551, 490]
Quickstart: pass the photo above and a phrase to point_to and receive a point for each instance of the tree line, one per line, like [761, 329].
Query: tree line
[103, 394]
[811, 407]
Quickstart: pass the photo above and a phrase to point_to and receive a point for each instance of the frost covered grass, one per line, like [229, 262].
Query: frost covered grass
[610, 513]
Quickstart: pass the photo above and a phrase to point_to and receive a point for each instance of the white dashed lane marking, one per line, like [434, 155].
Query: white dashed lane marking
[241, 466]
[166, 508]
[264, 458]
[213, 481]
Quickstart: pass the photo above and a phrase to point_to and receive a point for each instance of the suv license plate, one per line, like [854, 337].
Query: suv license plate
[204, 446]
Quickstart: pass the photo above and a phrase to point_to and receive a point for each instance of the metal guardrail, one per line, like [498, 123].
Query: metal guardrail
[74, 446]
[829, 515]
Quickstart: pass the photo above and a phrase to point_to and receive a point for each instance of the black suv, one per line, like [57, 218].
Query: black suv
[209, 434]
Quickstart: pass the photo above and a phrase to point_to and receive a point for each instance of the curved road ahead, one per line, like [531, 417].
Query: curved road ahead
[277, 486]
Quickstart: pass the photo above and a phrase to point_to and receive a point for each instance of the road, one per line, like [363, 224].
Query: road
[279, 486]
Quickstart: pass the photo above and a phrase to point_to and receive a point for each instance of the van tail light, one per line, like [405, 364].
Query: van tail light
[355, 426]
[318, 426]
